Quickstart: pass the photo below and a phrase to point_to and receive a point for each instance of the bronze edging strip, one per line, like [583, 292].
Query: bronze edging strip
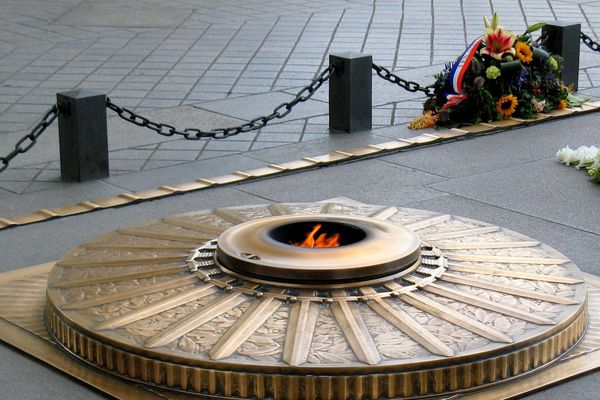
[335, 157]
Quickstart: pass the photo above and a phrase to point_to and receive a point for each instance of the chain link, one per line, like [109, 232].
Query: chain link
[542, 39]
[221, 133]
[29, 140]
[589, 42]
[403, 83]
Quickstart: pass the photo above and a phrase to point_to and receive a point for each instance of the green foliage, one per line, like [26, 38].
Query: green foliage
[594, 174]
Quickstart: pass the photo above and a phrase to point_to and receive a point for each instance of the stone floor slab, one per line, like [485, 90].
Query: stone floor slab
[369, 181]
[113, 15]
[186, 173]
[544, 188]
[249, 107]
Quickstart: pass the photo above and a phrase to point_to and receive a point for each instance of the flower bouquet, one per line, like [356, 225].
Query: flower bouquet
[498, 76]
[584, 157]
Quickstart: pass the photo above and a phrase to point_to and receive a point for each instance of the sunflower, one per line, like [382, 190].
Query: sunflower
[506, 105]
[563, 104]
[524, 52]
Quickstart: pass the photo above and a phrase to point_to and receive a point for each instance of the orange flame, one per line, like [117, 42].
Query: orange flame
[321, 241]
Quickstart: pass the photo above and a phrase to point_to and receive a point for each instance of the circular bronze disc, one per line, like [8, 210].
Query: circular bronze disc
[482, 305]
[249, 250]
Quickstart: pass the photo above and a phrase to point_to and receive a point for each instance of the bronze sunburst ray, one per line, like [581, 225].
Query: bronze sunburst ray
[531, 294]
[230, 215]
[194, 320]
[244, 327]
[140, 291]
[355, 330]
[279, 209]
[301, 326]
[484, 270]
[194, 226]
[121, 277]
[165, 304]
[483, 303]
[459, 233]
[441, 311]
[164, 236]
[122, 261]
[416, 226]
[506, 259]
[405, 323]
[172, 247]
[484, 245]
[328, 208]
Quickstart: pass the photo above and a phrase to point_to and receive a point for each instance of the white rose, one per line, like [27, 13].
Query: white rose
[596, 163]
[567, 156]
[586, 156]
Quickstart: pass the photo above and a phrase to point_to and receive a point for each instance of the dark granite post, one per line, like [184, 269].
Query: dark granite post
[82, 135]
[350, 89]
[563, 40]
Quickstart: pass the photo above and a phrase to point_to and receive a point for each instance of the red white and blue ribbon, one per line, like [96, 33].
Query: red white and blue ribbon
[457, 74]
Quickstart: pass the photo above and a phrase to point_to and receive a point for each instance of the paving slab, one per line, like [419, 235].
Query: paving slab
[123, 134]
[186, 173]
[46, 382]
[369, 181]
[586, 387]
[544, 188]
[250, 107]
[333, 142]
[112, 15]
[61, 193]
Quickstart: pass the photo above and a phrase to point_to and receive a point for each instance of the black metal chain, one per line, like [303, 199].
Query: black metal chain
[541, 40]
[589, 42]
[411, 86]
[221, 133]
[29, 140]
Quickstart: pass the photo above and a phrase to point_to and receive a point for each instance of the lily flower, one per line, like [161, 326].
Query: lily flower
[493, 24]
[498, 42]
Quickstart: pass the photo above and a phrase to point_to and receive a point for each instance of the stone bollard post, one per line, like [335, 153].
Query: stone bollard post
[564, 40]
[350, 90]
[82, 135]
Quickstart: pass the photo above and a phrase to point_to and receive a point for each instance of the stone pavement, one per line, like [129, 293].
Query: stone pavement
[214, 64]
[203, 63]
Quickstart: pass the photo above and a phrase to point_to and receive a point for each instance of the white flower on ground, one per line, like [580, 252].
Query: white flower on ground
[596, 163]
[586, 156]
[567, 156]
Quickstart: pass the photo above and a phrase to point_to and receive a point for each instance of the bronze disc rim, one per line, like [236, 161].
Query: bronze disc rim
[249, 249]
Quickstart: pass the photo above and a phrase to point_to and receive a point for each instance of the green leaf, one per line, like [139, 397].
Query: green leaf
[594, 174]
[535, 27]
[575, 101]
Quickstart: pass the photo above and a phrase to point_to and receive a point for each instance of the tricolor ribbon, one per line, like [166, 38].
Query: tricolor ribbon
[457, 74]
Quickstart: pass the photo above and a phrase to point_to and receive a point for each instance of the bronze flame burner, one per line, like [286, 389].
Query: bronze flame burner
[369, 249]
[224, 303]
